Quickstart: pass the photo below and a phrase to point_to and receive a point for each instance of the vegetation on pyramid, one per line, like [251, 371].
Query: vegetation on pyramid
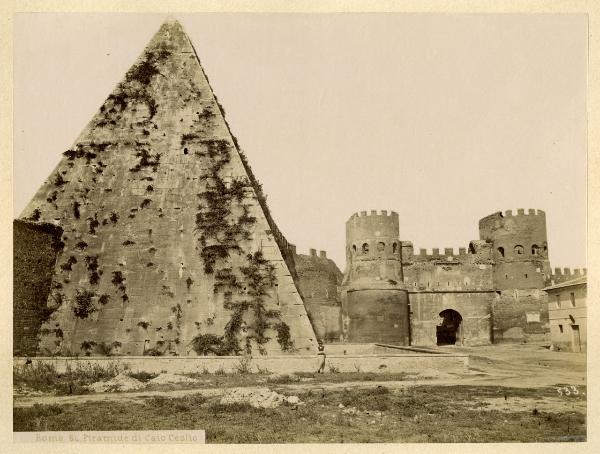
[167, 244]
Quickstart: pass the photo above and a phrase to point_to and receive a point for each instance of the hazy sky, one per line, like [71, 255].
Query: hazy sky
[442, 118]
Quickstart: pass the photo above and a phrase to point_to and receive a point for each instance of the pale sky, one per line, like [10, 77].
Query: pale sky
[444, 118]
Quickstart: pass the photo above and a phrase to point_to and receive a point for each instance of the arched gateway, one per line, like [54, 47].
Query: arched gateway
[449, 331]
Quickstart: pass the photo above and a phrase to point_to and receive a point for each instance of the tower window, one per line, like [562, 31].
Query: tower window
[354, 247]
[394, 247]
[525, 275]
[501, 251]
[185, 151]
[519, 249]
[365, 247]
[380, 246]
[560, 328]
[572, 296]
[535, 250]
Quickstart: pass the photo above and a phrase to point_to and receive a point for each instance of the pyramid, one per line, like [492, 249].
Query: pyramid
[168, 247]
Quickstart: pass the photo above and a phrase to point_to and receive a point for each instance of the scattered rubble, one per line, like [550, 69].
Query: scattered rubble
[258, 398]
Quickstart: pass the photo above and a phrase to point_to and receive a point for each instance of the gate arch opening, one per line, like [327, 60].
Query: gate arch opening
[449, 331]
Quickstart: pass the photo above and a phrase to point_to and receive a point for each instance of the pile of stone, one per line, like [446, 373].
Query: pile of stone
[166, 379]
[120, 382]
[258, 398]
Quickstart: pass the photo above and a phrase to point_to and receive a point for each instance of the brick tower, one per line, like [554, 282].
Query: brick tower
[520, 248]
[374, 300]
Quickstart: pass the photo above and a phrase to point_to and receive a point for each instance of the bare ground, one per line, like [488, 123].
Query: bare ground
[504, 365]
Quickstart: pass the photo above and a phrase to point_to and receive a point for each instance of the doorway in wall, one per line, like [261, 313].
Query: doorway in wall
[449, 331]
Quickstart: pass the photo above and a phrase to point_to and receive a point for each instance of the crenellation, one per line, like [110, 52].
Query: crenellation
[521, 212]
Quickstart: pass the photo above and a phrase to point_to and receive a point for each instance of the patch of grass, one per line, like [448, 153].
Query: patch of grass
[283, 379]
[40, 376]
[416, 414]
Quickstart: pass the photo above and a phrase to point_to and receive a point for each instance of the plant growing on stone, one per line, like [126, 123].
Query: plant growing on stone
[284, 337]
[93, 224]
[166, 290]
[67, 266]
[118, 280]
[35, 215]
[59, 180]
[87, 347]
[104, 299]
[84, 305]
[81, 245]
[92, 266]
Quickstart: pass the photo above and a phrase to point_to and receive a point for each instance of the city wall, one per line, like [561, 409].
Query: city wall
[35, 248]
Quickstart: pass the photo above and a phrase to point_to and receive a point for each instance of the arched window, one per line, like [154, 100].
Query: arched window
[394, 247]
[519, 249]
[501, 251]
[535, 250]
[365, 247]
[354, 248]
[380, 246]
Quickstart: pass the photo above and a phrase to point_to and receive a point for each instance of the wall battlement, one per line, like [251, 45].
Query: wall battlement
[521, 212]
[576, 272]
[313, 253]
[364, 214]
[518, 213]
[436, 253]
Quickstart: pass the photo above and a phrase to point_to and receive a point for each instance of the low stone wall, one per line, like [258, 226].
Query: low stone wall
[273, 364]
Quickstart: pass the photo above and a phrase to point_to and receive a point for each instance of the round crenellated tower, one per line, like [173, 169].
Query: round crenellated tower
[520, 248]
[374, 300]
